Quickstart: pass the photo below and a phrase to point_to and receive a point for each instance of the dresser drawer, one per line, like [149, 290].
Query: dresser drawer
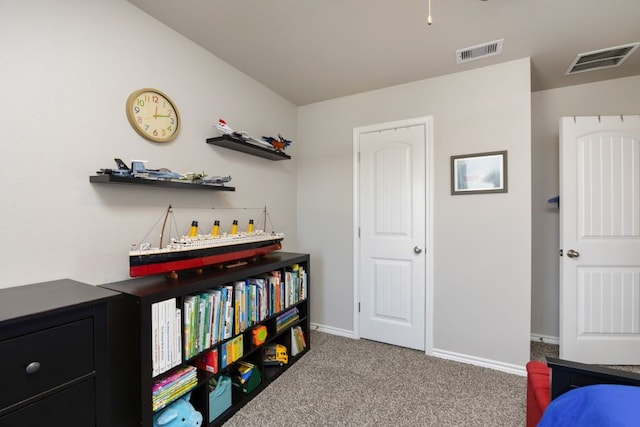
[74, 407]
[37, 362]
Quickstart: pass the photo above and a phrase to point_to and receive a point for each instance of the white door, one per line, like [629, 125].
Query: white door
[392, 221]
[600, 239]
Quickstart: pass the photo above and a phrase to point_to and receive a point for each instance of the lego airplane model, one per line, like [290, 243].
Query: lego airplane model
[138, 170]
[224, 128]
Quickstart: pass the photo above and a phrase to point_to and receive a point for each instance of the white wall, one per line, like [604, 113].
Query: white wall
[482, 242]
[612, 97]
[67, 69]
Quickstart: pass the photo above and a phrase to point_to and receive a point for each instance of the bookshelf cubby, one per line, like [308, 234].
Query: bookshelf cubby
[133, 340]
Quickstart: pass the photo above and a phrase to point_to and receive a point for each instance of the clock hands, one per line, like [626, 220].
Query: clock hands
[156, 115]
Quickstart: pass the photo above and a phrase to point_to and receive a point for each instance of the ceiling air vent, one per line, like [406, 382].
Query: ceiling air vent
[479, 51]
[599, 59]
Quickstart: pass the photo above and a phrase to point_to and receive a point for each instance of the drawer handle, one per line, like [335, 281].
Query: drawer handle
[33, 367]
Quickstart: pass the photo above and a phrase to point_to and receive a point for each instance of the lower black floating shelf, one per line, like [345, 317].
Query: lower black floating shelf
[115, 179]
[231, 143]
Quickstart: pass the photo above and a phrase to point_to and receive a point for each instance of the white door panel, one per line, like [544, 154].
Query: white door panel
[600, 222]
[392, 222]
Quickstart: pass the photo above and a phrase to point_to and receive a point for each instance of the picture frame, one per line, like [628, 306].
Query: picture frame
[479, 173]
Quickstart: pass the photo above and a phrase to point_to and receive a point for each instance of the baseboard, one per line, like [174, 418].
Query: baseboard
[456, 357]
[545, 339]
[331, 330]
[478, 361]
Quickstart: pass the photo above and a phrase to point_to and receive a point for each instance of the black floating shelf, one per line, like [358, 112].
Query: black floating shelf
[115, 179]
[232, 143]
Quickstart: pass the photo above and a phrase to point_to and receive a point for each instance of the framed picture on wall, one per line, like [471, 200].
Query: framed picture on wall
[479, 173]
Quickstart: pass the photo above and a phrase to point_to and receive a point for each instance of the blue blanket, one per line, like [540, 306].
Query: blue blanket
[594, 405]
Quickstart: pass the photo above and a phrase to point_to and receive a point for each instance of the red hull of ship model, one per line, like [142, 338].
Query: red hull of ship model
[200, 262]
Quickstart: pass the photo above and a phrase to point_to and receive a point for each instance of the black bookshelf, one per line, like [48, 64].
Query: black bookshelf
[236, 144]
[131, 343]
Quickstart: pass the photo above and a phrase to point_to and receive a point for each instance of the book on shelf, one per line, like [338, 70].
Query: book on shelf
[240, 289]
[273, 285]
[286, 319]
[208, 361]
[298, 342]
[166, 349]
[231, 351]
[227, 331]
[215, 315]
[209, 318]
[173, 385]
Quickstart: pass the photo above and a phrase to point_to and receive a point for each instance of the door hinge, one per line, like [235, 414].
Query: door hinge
[358, 157]
[358, 232]
[358, 307]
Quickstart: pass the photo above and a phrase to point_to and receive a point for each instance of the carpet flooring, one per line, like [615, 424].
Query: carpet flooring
[346, 382]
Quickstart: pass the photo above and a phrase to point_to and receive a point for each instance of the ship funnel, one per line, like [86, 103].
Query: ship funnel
[193, 231]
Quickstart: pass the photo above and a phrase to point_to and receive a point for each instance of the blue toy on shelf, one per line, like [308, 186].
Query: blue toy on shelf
[179, 414]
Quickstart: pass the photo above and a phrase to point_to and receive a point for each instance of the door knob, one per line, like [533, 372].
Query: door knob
[573, 254]
[417, 250]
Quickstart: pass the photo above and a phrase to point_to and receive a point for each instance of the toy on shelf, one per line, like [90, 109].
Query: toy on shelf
[179, 414]
[138, 170]
[241, 135]
[275, 354]
[259, 335]
[278, 143]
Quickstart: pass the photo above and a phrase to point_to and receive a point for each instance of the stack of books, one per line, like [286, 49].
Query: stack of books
[286, 319]
[174, 385]
[165, 336]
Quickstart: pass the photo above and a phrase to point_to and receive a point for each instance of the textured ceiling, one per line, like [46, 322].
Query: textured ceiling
[314, 50]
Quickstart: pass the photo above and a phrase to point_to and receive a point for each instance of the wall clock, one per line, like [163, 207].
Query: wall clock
[153, 115]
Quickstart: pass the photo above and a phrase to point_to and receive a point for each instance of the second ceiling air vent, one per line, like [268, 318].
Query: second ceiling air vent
[599, 59]
[480, 51]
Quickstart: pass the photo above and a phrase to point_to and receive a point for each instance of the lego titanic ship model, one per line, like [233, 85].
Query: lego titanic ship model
[195, 250]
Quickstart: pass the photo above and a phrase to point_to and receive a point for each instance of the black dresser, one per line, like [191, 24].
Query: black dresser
[53, 355]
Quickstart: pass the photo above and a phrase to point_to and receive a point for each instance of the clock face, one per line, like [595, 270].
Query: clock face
[153, 115]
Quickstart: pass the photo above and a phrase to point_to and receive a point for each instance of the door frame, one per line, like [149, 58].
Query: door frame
[427, 122]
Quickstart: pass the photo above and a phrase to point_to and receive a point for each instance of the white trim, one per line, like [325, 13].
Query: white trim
[331, 330]
[429, 245]
[547, 339]
[442, 354]
[356, 232]
[478, 361]
[427, 122]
